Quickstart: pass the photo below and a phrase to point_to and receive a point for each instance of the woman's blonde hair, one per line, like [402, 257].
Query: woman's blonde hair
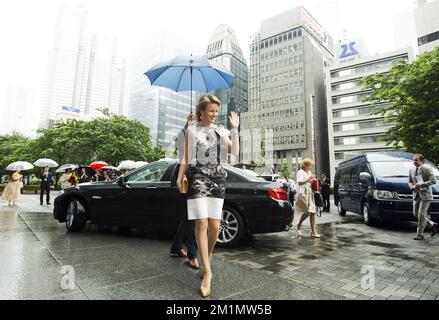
[203, 102]
[306, 163]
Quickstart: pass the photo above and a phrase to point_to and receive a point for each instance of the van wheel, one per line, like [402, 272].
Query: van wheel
[365, 210]
[76, 216]
[341, 210]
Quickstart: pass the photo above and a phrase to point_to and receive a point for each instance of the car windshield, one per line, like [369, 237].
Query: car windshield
[149, 173]
[246, 175]
[398, 169]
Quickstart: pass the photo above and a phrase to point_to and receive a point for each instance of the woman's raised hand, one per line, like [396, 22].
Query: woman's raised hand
[234, 120]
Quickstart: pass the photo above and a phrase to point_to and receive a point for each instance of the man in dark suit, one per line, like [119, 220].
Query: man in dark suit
[421, 178]
[46, 182]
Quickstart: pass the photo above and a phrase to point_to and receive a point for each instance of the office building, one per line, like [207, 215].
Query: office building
[353, 127]
[427, 24]
[162, 110]
[224, 48]
[81, 76]
[287, 101]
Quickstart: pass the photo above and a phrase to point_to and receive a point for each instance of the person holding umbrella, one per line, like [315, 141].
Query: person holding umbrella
[203, 157]
[83, 176]
[13, 188]
[46, 182]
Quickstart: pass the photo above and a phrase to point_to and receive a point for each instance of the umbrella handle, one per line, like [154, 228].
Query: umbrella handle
[191, 89]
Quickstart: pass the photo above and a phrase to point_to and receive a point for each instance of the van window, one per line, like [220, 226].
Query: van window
[396, 169]
[353, 174]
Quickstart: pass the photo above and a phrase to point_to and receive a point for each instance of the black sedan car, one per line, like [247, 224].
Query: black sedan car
[148, 198]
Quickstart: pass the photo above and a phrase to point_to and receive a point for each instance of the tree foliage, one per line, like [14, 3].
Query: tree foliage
[410, 93]
[110, 138]
[284, 170]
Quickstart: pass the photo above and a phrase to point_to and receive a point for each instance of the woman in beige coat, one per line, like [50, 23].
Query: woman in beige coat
[305, 203]
[13, 188]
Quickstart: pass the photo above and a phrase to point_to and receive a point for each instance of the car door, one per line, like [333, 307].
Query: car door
[174, 208]
[134, 202]
[359, 188]
[146, 195]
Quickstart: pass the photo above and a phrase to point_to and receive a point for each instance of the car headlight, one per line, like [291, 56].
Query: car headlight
[385, 195]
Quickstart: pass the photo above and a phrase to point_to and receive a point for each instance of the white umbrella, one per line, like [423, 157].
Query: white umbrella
[19, 165]
[46, 163]
[127, 165]
[140, 163]
[64, 167]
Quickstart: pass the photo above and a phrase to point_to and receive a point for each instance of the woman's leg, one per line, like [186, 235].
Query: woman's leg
[312, 219]
[302, 219]
[202, 242]
[213, 234]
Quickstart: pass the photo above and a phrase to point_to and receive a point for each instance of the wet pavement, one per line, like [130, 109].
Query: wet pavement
[109, 264]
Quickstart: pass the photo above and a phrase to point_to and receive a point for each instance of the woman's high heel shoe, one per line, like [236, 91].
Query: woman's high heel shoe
[205, 292]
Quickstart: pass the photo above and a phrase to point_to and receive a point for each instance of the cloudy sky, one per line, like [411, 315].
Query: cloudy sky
[26, 26]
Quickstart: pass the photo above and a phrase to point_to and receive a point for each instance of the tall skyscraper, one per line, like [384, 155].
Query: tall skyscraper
[287, 94]
[162, 110]
[353, 127]
[224, 49]
[65, 66]
[81, 76]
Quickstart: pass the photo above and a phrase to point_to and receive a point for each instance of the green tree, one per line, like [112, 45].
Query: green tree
[410, 97]
[284, 170]
[14, 147]
[110, 138]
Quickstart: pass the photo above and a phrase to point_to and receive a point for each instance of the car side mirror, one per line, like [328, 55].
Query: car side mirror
[121, 181]
[365, 176]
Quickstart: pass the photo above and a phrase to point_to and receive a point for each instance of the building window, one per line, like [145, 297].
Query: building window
[354, 140]
[428, 38]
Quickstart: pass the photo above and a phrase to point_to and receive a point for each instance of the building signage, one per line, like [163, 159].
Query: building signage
[315, 28]
[71, 109]
[348, 50]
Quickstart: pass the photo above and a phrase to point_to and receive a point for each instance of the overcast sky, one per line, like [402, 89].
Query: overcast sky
[26, 26]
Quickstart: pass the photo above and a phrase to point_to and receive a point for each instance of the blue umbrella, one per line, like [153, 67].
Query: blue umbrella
[190, 73]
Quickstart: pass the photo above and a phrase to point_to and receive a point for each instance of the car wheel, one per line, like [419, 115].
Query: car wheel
[76, 216]
[231, 228]
[365, 210]
[341, 210]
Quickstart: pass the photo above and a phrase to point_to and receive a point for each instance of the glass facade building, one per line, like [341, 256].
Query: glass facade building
[223, 48]
[354, 128]
[162, 110]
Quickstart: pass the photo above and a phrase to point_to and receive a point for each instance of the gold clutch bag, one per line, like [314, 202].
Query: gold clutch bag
[185, 186]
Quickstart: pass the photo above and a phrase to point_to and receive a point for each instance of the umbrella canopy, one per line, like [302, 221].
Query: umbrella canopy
[140, 163]
[98, 164]
[187, 73]
[46, 163]
[19, 165]
[127, 165]
[190, 73]
[65, 167]
[88, 169]
[166, 159]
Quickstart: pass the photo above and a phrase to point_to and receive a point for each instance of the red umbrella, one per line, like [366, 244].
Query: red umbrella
[98, 164]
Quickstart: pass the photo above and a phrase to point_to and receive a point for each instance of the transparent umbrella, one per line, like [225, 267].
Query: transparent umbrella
[20, 165]
[46, 163]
